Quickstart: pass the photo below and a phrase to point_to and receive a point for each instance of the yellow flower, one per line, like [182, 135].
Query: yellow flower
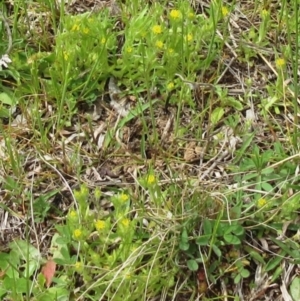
[170, 86]
[66, 55]
[103, 41]
[151, 179]
[189, 37]
[84, 190]
[261, 203]
[170, 50]
[264, 13]
[124, 197]
[191, 15]
[128, 275]
[128, 49]
[225, 11]
[175, 14]
[100, 225]
[77, 234]
[157, 29]
[78, 266]
[159, 44]
[280, 63]
[73, 215]
[75, 27]
[125, 222]
[85, 30]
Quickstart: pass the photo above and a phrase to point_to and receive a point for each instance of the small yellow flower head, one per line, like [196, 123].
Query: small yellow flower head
[124, 197]
[125, 222]
[264, 13]
[191, 15]
[157, 29]
[78, 266]
[151, 179]
[66, 55]
[159, 44]
[75, 27]
[170, 86]
[225, 11]
[100, 225]
[189, 37]
[261, 203]
[73, 215]
[280, 62]
[175, 14]
[85, 30]
[84, 190]
[77, 234]
[103, 41]
[170, 50]
[129, 49]
[128, 275]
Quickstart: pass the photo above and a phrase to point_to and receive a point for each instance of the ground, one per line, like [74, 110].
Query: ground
[149, 151]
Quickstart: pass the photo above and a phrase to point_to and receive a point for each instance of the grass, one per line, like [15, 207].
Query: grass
[149, 151]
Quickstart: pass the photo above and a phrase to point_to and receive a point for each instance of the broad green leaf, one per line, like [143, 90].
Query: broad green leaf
[244, 273]
[203, 240]
[233, 102]
[25, 250]
[27, 253]
[216, 115]
[207, 227]
[184, 246]
[184, 240]
[237, 278]
[232, 239]
[6, 99]
[266, 187]
[295, 289]
[4, 112]
[217, 251]
[192, 265]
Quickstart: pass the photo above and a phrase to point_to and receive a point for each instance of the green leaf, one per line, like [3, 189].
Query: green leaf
[184, 246]
[192, 265]
[217, 251]
[237, 278]
[136, 112]
[276, 274]
[27, 253]
[239, 154]
[207, 227]
[232, 239]
[6, 99]
[184, 240]
[235, 229]
[216, 115]
[203, 240]
[244, 273]
[295, 289]
[255, 255]
[273, 263]
[232, 102]
[266, 187]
